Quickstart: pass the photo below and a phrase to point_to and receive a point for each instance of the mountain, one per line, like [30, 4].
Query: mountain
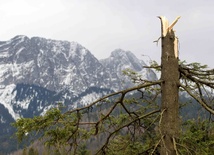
[120, 60]
[37, 73]
[58, 66]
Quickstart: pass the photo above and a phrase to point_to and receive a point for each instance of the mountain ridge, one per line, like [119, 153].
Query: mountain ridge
[36, 73]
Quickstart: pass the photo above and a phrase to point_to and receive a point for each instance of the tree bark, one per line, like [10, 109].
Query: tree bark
[169, 123]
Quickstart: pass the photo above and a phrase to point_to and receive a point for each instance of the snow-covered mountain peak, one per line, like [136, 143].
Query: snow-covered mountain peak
[126, 58]
[122, 54]
[123, 59]
[120, 60]
[118, 53]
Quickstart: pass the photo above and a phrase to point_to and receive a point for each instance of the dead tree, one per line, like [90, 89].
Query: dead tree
[169, 88]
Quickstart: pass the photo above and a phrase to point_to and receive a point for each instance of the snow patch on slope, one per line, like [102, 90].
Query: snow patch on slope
[87, 99]
[6, 97]
[24, 104]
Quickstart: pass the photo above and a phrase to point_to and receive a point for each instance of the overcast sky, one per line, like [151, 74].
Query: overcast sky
[104, 25]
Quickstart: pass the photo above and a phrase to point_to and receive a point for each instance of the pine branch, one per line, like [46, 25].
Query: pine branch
[102, 149]
[199, 100]
[206, 80]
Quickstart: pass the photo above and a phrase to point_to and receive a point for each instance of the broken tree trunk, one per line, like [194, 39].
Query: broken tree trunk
[169, 123]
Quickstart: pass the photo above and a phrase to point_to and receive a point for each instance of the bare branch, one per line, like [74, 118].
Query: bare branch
[156, 145]
[101, 119]
[174, 144]
[156, 41]
[144, 85]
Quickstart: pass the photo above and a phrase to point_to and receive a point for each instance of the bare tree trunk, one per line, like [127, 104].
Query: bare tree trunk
[169, 126]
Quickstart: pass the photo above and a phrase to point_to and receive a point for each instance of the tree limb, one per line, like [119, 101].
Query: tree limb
[144, 85]
[207, 107]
